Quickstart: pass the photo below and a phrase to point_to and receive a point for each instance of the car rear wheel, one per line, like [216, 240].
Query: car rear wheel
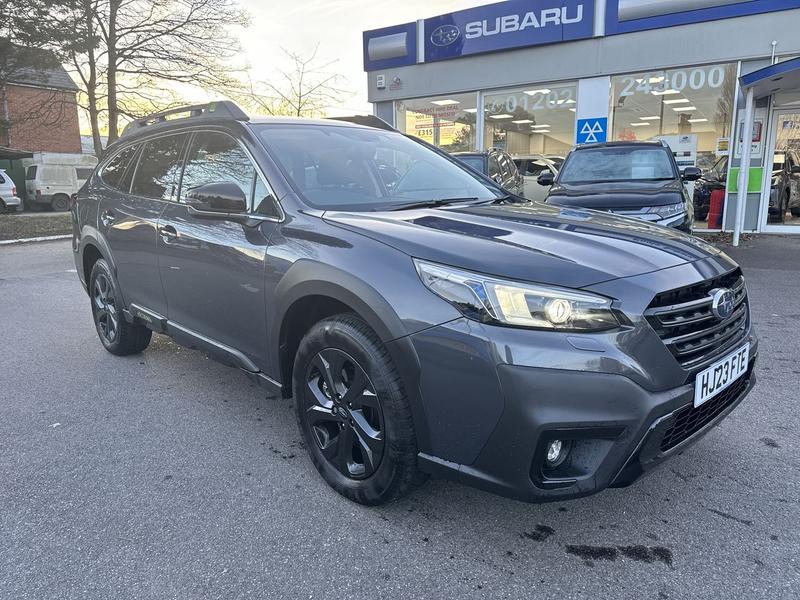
[60, 203]
[116, 334]
[353, 412]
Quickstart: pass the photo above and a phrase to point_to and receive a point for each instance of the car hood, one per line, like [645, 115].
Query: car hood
[617, 194]
[531, 242]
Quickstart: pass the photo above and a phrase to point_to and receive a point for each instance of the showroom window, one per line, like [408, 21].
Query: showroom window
[695, 103]
[534, 119]
[689, 108]
[447, 122]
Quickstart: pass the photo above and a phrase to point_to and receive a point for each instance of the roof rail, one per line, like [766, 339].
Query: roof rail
[366, 120]
[222, 109]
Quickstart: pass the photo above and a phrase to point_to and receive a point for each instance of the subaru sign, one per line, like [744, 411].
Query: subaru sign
[506, 25]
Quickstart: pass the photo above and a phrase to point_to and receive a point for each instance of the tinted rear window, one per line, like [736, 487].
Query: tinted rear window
[115, 168]
[2, 179]
[31, 173]
[83, 173]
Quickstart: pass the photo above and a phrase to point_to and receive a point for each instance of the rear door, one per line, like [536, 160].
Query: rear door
[212, 268]
[129, 216]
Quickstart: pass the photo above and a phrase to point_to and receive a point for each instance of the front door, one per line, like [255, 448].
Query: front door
[213, 269]
[780, 211]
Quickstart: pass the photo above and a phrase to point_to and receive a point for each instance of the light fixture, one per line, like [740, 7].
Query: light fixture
[540, 125]
[698, 120]
[540, 131]
[570, 101]
[469, 110]
[573, 110]
[501, 116]
[639, 124]
[664, 92]
[649, 118]
[541, 91]
[684, 108]
[522, 121]
[445, 102]
[677, 101]
[556, 453]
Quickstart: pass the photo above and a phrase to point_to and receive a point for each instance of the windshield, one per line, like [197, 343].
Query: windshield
[351, 168]
[617, 164]
[475, 162]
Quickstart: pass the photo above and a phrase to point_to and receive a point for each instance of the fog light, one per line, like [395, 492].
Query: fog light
[556, 453]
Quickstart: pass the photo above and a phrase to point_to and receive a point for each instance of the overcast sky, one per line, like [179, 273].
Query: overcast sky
[298, 25]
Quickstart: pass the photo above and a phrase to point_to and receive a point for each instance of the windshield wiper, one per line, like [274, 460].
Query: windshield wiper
[430, 203]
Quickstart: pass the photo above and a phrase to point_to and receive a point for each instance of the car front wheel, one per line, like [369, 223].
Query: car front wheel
[353, 412]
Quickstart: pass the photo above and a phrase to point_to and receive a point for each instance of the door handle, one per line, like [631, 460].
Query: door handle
[168, 233]
[107, 217]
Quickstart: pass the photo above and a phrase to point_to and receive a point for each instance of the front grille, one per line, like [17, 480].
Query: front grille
[689, 420]
[682, 318]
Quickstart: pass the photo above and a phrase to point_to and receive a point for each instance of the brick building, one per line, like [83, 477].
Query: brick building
[40, 112]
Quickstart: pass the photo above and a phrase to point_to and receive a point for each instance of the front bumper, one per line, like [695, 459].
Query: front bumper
[494, 396]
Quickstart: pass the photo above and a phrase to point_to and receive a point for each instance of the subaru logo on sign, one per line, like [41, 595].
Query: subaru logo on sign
[721, 303]
[444, 35]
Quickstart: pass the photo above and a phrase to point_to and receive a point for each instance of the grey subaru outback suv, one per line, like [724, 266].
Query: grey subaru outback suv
[423, 320]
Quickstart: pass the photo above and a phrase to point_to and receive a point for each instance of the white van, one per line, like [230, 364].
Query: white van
[53, 178]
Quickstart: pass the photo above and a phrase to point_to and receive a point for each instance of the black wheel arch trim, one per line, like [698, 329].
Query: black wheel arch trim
[309, 278]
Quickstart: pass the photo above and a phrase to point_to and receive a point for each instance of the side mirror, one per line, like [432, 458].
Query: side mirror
[545, 178]
[795, 170]
[223, 197]
[691, 174]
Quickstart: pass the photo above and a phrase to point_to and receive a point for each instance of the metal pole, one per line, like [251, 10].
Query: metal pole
[744, 166]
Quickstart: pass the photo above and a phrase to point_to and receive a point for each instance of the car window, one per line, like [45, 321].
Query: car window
[30, 175]
[615, 163]
[216, 157]
[83, 172]
[2, 179]
[113, 172]
[264, 199]
[494, 167]
[159, 167]
[476, 162]
[335, 167]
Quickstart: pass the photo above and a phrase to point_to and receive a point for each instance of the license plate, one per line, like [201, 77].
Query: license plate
[720, 375]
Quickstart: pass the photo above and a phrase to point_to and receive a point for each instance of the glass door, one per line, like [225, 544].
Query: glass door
[780, 212]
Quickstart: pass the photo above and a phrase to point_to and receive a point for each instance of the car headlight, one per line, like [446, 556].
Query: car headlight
[668, 210]
[492, 300]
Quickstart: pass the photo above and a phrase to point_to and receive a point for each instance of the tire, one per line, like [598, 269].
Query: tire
[363, 443]
[117, 335]
[60, 203]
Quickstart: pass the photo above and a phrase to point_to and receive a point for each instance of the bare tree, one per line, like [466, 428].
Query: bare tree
[307, 89]
[143, 46]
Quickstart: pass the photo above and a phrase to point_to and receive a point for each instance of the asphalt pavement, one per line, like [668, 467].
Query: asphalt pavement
[166, 475]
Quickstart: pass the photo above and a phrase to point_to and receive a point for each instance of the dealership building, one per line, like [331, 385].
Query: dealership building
[539, 76]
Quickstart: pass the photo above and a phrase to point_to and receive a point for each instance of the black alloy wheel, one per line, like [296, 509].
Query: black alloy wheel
[106, 312]
[344, 414]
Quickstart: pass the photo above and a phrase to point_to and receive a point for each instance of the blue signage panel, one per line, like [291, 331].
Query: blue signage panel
[591, 131]
[623, 16]
[505, 25]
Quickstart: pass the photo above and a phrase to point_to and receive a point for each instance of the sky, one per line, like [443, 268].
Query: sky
[336, 25]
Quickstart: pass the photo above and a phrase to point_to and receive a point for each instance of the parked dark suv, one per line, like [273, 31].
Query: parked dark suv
[635, 179]
[498, 166]
[428, 325]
